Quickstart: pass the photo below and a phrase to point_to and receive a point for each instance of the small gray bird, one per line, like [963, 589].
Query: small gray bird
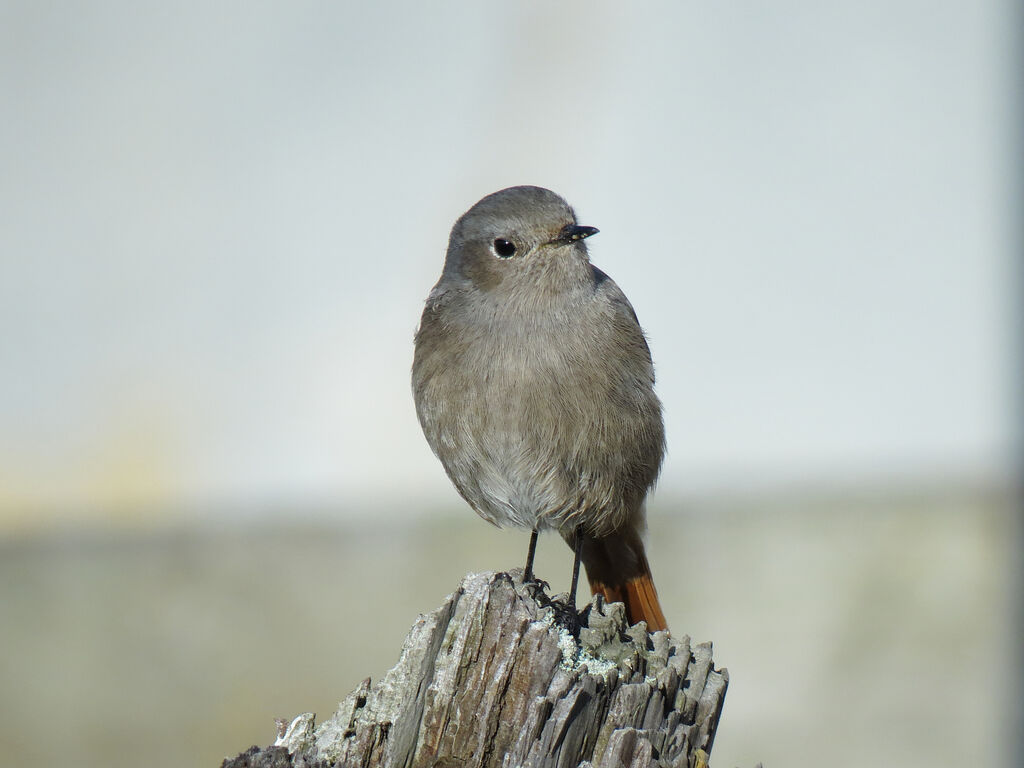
[534, 387]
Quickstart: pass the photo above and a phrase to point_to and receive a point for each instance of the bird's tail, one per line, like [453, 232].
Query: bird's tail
[617, 569]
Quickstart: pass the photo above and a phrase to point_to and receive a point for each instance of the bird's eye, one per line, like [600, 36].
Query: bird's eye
[504, 248]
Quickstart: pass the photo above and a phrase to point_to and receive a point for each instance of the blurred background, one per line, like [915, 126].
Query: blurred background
[219, 223]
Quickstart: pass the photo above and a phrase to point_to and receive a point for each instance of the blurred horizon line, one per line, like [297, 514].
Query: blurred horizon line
[360, 510]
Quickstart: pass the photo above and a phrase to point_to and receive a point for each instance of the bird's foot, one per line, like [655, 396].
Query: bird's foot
[566, 615]
[537, 587]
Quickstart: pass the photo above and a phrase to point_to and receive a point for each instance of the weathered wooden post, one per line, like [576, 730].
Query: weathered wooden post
[491, 679]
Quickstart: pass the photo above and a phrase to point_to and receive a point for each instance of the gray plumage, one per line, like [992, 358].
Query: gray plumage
[532, 378]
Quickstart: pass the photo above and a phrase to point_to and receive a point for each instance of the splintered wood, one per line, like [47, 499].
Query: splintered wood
[491, 679]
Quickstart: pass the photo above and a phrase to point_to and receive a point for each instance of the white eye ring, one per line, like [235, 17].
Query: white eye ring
[503, 249]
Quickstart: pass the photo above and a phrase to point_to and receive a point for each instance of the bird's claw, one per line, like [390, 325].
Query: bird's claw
[567, 616]
[534, 583]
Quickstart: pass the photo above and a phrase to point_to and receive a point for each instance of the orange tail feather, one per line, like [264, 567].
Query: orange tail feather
[617, 569]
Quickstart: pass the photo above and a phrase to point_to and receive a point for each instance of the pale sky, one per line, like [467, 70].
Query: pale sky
[220, 222]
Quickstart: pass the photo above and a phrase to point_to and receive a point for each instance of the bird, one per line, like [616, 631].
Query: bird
[534, 386]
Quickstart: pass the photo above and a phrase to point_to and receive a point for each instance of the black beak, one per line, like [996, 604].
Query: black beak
[573, 232]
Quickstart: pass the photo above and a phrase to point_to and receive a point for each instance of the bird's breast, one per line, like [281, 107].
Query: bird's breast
[535, 427]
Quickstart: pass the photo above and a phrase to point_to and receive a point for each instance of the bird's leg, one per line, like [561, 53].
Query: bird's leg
[536, 587]
[577, 548]
[565, 612]
[528, 570]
